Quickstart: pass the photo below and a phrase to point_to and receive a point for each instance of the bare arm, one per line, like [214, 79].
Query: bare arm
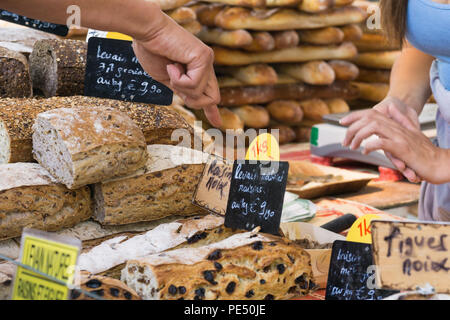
[166, 51]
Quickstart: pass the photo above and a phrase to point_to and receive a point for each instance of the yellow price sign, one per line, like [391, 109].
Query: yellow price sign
[52, 258]
[360, 230]
[118, 36]
[264, 147]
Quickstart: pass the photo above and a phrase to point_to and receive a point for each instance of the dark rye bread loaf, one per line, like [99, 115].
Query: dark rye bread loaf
[58, 67]
[15, 80]
[17, 117]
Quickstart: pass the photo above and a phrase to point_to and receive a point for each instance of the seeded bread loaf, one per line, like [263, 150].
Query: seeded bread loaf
[86, 145]
[194, 231]
[17, 117]
[243, 266]
[58, 67]
[103, 287]
[30, 197]
[15, 80]
[165, 187]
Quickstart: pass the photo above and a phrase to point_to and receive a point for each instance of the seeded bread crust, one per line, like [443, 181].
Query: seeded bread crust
[18, 115]
[117, 250]
[85, 145]
[15, 80]
[104, 287]
[30, 197]
[244, 266]
[58, 67]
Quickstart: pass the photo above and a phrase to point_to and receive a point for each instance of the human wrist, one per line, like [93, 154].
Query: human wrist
[441, 169]
[409, 100]
[150, 22]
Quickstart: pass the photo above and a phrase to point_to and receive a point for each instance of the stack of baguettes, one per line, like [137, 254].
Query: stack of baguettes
[376, 56]
[282, 64]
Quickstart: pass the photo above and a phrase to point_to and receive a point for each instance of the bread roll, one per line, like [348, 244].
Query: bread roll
[322, 36]
[314, 109]
[241, 3]
[314, 6]
[193, 27]
[337, 105]
[352, 32]
[227, 81]
[299, 54]
[254, 74]
[232, 39]
[85, 145]
[182, 15]
[285, 133]
[286, 39]
[286, 79]
[230, 120]
[374, 75]
[374, 92]
[31, 197]
[344, 70]
[374, 42]
[253, 116]
[261, 41]
[237, 96]
[244, 266]
[286, 111]
[314, 72]
[164, 188]
[15, 80]
[158, 123]
[286, 19]
[169, 4]
[302, 134]
[57, 67]
[377, 60]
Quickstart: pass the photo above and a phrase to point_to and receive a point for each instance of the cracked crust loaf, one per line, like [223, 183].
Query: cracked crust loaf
[15, 80]
[30, 197]
[165, 187]
[85, 145]
[157, 123]
[244, 266]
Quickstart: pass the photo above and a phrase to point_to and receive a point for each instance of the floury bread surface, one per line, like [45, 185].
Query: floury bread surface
[85, 145]
[243, 266]
[30, 197]
[165, 187]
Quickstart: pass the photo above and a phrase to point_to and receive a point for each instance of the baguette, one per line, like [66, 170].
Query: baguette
[375, 42]
[231, 39]
[169, 4]
[86, 145]
[299, 54]
[256, 3]
[314, 109]
[253, 116]
[377, 60]
[314, 6]
[344, 70]
[261, 41]
[337, 105]
[243, 266]
[182, 15]
[284, 133]
[286, 111]
[164, 188]
[206, 14]
[286, 39]
[227, 81]
[374, 92]
[57, 67]
[230, 121]
[254, 74]
[236, 96]
[314, 72]
[157, 123]
[286, 19]
[15, 80]
[322, 36]
[31, 197]
[374, 75]
[352, 32]
[193, 27]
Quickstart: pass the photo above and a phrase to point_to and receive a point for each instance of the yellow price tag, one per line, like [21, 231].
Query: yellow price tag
[118, 36]
[52, 258]
[264, 147]
[360, 230]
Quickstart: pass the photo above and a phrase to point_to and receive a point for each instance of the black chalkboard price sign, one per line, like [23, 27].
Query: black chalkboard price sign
[256, 195]
[352, 273]
[113, 72]
[58, 29]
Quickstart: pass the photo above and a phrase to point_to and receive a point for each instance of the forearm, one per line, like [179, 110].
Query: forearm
[137, 18]
[442, 167]
[410, 80]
